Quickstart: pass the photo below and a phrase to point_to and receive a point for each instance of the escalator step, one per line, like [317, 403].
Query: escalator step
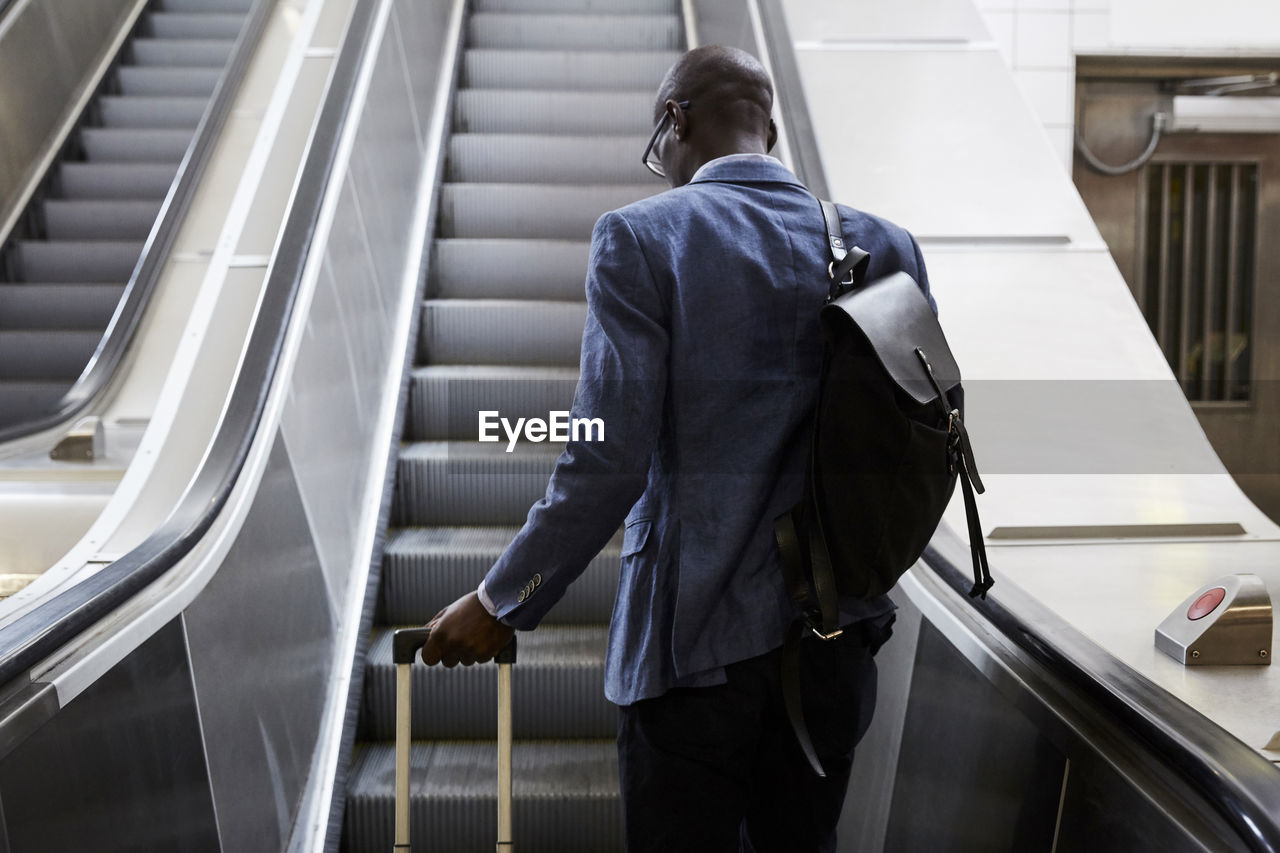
[542, 159]
[178, 82]
[532, 211]
[186, 25]
[509, 269]
[566, 70]
[595, 7]
[566, 797]
[207, 6]
[184, 53]
[444, 400]
[458, 483]
[45, 354]
[501, 331]
[58, 306]
[142, 112]
[557, 693]
[115, 145]
[537, 111]
[575, 32]
[424, 568]
[18, 400]
[116, 180]
[99, 220]
[76, 261]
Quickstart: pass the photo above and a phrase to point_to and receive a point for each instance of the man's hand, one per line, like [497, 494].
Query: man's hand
[464, 633]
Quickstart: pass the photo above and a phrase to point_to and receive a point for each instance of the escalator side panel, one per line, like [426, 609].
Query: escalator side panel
[130, 746]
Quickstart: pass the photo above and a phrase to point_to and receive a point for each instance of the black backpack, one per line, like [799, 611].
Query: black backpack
[887, 447]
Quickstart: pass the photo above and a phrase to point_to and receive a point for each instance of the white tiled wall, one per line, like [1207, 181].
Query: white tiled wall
[1038, 39]
[1041, 38]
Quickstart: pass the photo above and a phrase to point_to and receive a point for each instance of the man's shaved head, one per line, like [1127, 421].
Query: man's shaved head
[716, 101]
[724, 83]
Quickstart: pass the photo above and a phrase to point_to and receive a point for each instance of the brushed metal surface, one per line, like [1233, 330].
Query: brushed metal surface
[121, 767]
[260, 635]
[1116, 594]
[932, 22]
[968, 751]
[908, 147]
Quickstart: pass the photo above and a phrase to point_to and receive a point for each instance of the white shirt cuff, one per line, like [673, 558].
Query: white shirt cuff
[486, 601]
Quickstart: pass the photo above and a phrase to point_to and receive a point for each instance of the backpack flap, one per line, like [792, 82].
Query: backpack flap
[896, 319]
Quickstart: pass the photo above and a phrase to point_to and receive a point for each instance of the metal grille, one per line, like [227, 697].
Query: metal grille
[1198, 273]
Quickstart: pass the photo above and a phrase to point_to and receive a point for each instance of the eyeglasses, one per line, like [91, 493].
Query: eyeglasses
[650, 160]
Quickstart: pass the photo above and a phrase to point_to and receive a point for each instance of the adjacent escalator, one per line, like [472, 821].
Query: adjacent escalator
[67, 264]
[551, 115]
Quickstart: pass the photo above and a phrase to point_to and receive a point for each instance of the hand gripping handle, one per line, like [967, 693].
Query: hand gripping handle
[406, 642]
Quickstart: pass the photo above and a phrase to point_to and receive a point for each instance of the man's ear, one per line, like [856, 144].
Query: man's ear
[679, 121]
[772, 138]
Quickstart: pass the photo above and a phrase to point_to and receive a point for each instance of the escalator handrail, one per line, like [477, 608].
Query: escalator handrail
[146, 273]
[35, 636]
[1202, 753]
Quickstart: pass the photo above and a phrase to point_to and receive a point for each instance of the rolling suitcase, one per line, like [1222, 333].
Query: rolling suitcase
[405, 646]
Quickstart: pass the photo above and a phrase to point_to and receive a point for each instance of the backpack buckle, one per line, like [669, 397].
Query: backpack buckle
[953, 439]
[847, 281]
[817, 632]
[813, 623]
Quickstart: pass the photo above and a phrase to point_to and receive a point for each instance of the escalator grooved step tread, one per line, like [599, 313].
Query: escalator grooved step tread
[180, 52]
[240, 7]
[58, 306]
[176, 25]
[565, 70]
[444, 400]
[115, 180]
[426, 567]
[620, 31]
[495, 268]
[593, 7]
[139, 111]
[558, 693]
[527, 111]
[45, 354]
[501, 331]
[566, 796]
[532, 211]
[74, 219]
[470, 482]
[545, 159]
[176, 82]
[20, 399]
[130, 145]
[76, 261]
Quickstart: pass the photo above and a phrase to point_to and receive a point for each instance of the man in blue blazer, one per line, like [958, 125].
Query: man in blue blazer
[701, 354]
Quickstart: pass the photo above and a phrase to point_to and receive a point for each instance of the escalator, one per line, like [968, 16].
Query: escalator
[551, 114]
[192, 689]
[67, 264]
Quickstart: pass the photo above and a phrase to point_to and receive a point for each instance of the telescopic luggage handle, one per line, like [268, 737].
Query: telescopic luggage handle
[405, 644]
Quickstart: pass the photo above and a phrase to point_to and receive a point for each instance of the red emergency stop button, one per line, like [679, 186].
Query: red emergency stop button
[1205, 604]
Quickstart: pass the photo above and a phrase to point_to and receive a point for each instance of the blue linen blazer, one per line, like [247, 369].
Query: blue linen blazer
[700, 353]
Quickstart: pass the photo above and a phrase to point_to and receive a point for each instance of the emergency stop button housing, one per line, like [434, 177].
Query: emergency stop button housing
[1224, 622]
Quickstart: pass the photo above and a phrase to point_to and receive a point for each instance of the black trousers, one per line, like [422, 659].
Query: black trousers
[718, 768]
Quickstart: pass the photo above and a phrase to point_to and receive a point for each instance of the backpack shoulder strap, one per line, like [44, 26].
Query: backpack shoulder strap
[848, 266]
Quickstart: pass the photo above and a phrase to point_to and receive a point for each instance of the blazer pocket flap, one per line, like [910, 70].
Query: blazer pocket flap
[634, 537]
